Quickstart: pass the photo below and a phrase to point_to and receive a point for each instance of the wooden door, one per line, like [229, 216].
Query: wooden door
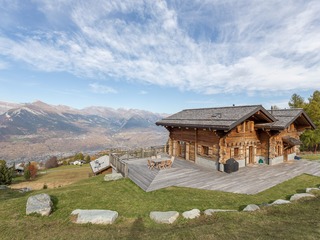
[251, 155]
[285, 155]
[192, 152]
[182, 152]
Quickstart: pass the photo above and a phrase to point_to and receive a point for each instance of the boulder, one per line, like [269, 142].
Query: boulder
[209, 212]
[194, 213]
[112, 177]
[312, 189]
[40, 203]
[164, 217]
[251, 208]
[280, 202]
[298, 196]
[24, 190]
[94, 216]
[3, 187]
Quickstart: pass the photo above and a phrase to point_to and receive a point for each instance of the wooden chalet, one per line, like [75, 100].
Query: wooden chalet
[248, 134]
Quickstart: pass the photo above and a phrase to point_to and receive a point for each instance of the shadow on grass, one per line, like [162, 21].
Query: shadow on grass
[11, 194]
[55, 202]
[137, 229]
[301, 190]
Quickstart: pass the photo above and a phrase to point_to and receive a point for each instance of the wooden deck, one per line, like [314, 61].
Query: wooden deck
[248, 180]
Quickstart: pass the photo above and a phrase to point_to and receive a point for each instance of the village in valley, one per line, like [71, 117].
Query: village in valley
[159, 120]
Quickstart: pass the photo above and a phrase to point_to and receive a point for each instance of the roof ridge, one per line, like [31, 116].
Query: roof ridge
[286, 109]
[239, 106]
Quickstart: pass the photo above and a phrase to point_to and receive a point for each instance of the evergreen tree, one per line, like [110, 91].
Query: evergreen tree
[296, 101]
[87, 159]
[79, 156]
[310, 138]
[27, 173]
[6, 173]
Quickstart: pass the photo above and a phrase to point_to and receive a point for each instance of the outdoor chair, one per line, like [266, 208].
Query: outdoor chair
[162, 165]
[168, 163]
[151, 164]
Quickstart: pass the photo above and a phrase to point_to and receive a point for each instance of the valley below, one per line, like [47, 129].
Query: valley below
[36, 131]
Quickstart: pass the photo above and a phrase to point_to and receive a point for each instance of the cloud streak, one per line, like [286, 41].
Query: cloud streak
[101, 89]
[204, 46]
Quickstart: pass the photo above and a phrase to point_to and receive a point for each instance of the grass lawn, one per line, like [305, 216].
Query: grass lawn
[311, 156]
[55, 177]
[295, 221]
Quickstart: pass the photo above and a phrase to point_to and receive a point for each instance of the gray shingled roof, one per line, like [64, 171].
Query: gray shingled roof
[285, 117]
[222, 118]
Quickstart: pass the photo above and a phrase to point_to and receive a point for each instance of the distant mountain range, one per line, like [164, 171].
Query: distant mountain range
[34, 131]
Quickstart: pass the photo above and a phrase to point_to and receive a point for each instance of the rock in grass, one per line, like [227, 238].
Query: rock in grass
[312, 189]
[112, 177]
[209, 212]
[24, 190]
[94, 216]
[251, 208]
[194, 213]
[40, 204]
[298, 196]
[280, 202]
[164, 217]
[3, 187]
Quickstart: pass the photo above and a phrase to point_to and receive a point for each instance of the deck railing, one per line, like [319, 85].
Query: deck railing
[119, 165]
[118, 159]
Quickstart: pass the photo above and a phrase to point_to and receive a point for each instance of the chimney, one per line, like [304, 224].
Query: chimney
[271, 110]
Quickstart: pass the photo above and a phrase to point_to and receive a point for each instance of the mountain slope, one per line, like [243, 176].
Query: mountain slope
[42, 129]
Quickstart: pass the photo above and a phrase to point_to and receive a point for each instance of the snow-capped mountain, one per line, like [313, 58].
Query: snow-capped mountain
[32, 126]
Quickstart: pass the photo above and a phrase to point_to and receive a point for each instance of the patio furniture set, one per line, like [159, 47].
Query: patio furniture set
[160, 163]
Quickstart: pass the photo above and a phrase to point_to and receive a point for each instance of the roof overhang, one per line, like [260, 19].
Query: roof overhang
[290, 141]
[259, 113]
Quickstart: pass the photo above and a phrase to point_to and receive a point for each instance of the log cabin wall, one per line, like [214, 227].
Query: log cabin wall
[242, 143]
[190, 143]
[277, 148]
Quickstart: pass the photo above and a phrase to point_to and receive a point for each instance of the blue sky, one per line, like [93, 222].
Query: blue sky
[161, 56]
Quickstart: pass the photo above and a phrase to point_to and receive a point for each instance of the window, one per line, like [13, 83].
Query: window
[205, 150]
[236, 152]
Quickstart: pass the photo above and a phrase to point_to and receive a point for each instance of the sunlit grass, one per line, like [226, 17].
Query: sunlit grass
[295, 221]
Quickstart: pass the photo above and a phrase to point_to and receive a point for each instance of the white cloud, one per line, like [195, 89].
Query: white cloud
[101, 89]
[142, 92]
[203, 46]
[3, 65]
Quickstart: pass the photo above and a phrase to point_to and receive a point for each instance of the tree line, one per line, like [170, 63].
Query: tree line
[310, 138]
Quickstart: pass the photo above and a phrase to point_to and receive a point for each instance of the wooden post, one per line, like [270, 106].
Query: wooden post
[187, 150]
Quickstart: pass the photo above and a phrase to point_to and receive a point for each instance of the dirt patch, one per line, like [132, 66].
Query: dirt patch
[39, 185]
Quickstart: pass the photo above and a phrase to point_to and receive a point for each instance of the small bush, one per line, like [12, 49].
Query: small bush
[27, 174]
[45, 186]
[87, 159]
[6, 173]
[79, 156]
[30, 171]
[52, 162]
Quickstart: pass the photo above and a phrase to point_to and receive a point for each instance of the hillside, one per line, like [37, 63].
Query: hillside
[34, 131]
[299, 220]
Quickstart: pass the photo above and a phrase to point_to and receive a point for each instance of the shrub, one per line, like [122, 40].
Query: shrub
[33, 171]
[79, 156]
[52, 162]
[45, 186]
[27, 174]
[87, 159]
[6, 173]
